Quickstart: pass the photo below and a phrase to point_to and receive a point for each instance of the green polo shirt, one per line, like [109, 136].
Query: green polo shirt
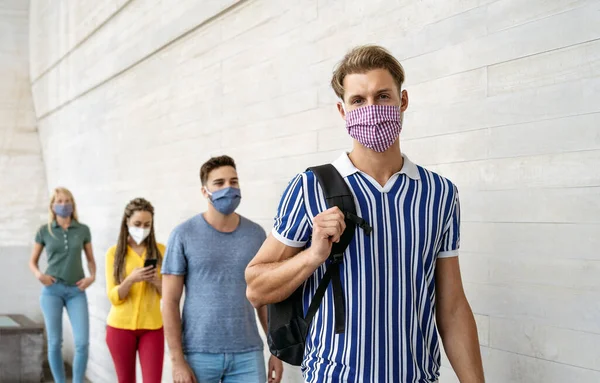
[63, 248]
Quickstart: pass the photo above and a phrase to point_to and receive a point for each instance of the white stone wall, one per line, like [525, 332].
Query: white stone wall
[22, 179]
[132, 96]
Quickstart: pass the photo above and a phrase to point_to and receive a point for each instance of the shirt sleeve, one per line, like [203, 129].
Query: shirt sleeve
[87, 236]
[174, 262]
[112, 288]
[39, 237]
[451, 239]
[292, 225]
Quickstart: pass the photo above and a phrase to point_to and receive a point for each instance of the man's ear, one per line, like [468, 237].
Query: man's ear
[341, 109]
[204, 192]
[403, 100]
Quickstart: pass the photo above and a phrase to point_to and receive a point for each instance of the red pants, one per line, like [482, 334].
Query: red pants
[123, 346]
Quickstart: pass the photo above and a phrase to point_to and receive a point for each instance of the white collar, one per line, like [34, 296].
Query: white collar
[346, 168]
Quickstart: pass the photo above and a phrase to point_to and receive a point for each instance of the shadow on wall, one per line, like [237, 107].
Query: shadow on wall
[23, 191]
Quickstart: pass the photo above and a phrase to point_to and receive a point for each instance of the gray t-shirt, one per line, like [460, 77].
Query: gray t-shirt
[217, 317]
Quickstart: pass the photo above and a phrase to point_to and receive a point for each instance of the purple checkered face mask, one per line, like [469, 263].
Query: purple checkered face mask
[376, 127]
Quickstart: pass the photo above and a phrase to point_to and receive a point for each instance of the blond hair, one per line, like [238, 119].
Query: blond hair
[52, 214]
[363, 59]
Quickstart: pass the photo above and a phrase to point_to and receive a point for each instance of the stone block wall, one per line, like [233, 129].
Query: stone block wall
[132, 96]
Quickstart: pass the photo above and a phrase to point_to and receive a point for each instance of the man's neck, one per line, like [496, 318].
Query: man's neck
[223, 223]
[63, 222]
[380, 166]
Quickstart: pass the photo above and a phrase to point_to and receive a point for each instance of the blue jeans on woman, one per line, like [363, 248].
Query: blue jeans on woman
[54, 298]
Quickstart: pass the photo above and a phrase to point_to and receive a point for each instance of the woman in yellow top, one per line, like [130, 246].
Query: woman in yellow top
[134, 290]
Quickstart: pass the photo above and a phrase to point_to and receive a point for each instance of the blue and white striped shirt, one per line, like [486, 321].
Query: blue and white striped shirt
[388, 277]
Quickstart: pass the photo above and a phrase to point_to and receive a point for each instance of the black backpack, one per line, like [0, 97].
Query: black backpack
[288, 327]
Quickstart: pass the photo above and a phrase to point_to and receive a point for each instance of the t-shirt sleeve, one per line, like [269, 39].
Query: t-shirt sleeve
[39, 236]
[87, 238]
[292, 225]
[174, 261]
[451, 238]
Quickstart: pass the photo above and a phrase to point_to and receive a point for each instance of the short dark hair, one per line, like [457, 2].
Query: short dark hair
[214, 163]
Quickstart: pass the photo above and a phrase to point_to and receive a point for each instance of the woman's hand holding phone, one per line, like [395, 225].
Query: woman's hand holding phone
[140, 274]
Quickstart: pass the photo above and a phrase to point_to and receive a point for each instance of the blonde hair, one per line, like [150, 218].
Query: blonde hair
[363, 59]
[52, 214]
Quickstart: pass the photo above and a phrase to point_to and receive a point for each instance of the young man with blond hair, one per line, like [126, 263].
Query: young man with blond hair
[401, 283]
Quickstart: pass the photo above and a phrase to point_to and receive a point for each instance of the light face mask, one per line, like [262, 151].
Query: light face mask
[226, 200]
[63, 210]
[376, 127]
[138, 234]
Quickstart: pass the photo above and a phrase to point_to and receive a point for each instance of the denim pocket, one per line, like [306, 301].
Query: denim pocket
[48, 289]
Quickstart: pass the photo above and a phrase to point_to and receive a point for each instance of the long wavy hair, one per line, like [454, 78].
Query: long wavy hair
[152, 252]
[52, 214]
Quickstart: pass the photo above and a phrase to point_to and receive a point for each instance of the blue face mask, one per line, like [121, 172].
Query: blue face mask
[226, 200]
[63, 210]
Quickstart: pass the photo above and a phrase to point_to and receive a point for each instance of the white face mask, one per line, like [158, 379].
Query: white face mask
[139, 234]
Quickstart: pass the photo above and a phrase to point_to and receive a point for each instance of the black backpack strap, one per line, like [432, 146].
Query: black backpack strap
[337, 193]
[338, 298]
[332, 274]
[318, 297]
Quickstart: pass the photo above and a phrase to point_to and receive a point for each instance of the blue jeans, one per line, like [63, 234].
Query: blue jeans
[53, 299]
[243, 367]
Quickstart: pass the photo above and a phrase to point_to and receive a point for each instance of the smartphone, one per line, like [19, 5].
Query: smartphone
[150, 262]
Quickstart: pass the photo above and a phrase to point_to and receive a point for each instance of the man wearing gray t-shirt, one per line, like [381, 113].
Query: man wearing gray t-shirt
[216, 339]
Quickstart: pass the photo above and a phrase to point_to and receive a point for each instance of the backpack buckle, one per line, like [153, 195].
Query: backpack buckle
[359, 222]
[337, 258]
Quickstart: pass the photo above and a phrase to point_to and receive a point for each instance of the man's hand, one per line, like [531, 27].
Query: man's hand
[327, 230]
[275, 371]
[182, 373]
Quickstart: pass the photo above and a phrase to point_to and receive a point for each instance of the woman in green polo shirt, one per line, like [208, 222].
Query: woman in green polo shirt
[64, 238]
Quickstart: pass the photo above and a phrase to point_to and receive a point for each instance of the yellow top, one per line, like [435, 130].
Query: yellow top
[141, 308]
